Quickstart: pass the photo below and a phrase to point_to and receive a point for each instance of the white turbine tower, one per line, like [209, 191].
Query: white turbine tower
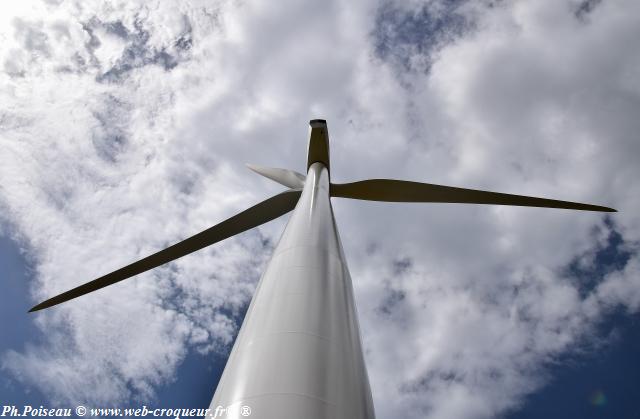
[298, 354]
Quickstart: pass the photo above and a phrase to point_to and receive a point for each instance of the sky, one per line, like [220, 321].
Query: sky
[125, 127]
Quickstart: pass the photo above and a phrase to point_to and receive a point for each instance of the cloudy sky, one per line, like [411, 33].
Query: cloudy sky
[125, 127]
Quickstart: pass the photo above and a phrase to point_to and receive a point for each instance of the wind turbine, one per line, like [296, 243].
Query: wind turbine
[298, 353]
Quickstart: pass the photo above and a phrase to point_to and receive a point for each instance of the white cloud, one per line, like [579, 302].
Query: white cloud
[127, 126]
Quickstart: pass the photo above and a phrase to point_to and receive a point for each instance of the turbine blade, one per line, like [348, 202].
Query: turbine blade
[259, 214]
[288, 178]
[391, 190]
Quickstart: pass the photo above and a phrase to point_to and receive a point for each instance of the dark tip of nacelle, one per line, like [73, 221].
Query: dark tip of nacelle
[316, 122]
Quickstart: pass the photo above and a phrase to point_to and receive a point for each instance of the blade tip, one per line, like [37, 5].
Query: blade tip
[42, 306]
